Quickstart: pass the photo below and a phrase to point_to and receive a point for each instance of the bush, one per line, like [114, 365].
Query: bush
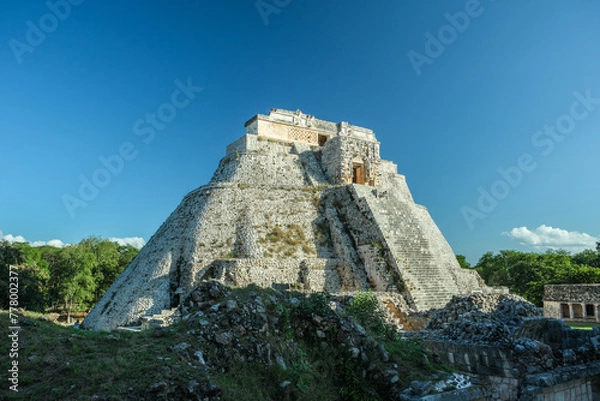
[364, 308]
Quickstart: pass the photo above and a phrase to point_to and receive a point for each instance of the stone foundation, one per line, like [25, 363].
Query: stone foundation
[506, 382]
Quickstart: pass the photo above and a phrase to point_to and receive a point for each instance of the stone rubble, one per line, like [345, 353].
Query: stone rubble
[226, 327]
[481, 318]
[532, 342]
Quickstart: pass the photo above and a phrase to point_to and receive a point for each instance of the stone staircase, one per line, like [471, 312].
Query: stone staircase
[313, 172]
[351, 277]
[430, 284]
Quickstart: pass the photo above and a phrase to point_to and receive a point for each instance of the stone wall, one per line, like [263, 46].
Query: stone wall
[485, 361]
[506, 380]
[573, 302]
[572, 292]
[300, 274]
[520, 354]
[576, 390]
[342, 154]
[570, 383]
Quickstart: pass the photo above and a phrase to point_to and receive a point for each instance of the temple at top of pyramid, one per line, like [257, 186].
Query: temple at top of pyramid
[300, 203]
[350, 154]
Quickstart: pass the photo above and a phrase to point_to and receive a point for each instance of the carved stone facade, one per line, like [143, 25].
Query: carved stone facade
[289, 126]
[349, 160]
[349, 154]
[572, 302]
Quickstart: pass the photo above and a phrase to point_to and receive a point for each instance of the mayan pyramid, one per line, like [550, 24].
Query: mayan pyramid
[299, 203]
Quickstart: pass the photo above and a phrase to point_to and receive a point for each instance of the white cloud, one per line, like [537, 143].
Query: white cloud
[53, 242]
[137, 242]
[19, 238]
[11, 238]
[545, 237]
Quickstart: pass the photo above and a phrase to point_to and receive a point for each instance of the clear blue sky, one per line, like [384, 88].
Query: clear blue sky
[454, 91]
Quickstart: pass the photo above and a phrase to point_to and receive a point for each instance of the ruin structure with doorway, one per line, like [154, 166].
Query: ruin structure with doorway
[572, 302]
[306, 204]
[297, 202]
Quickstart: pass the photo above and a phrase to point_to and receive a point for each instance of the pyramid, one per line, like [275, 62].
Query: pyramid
[299, 203]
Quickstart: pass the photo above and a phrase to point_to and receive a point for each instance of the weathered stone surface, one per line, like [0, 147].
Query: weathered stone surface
[299, 203]
[482, 318]
[573, 302]
[583, 293]
[273, 328]
[520, 354]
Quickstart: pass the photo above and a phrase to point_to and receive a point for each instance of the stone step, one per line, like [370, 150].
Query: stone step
[429, 282]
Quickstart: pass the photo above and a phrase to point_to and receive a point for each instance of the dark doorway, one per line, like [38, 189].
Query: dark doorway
[565, 311]
[322, 139]
[358, 173]
[589, 311]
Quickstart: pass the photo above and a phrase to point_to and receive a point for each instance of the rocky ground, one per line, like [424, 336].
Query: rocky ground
[264, 344]
[287, 335]
[508, 321]
[481, 318]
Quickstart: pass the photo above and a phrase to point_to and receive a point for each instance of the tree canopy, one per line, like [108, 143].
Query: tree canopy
[66, 279]
[526, 273]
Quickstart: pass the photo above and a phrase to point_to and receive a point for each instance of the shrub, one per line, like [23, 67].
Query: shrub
[364, 308]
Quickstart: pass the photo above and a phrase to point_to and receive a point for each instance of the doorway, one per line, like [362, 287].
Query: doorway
[322, 139]
[358, 173]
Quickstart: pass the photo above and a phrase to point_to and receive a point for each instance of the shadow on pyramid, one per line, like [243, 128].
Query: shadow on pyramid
[296, 203]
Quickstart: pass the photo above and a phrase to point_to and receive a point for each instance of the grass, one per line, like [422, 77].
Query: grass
[286, 242]
[310, 377]
[63, 363]
[582, 326]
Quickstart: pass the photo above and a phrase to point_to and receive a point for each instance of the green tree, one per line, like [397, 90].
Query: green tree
[33, 275]
[63, 278]
[33, 289]
[73, 278]
[10, 255]
[493, 269]
[462, 261]
[587, 257]
[126, 255]
[526, 273]
[106, 261]
[577, 274]
[110, 261]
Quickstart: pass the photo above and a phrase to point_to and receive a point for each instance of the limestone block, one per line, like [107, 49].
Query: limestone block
[281, 209]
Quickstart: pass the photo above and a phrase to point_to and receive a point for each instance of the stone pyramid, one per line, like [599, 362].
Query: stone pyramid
[299, 203]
